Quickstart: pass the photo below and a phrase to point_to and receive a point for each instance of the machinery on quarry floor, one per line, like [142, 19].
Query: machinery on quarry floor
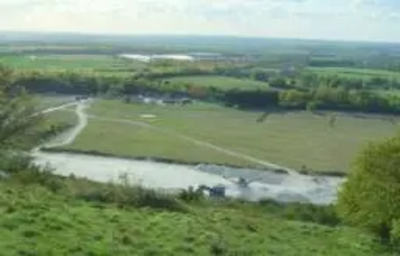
[215, 191]
[219, 190]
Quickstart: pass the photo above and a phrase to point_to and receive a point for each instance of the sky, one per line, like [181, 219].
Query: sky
[361, 20]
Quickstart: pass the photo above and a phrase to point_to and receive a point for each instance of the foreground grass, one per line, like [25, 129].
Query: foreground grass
[220, 82]
[36, 221]
[289, 139]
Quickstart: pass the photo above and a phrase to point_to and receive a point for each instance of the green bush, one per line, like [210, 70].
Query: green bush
[191, 195]
[15, 162]
[371, 196]
[129, 196]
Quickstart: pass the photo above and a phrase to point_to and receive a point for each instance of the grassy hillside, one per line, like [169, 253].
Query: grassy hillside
[80, 219]
[221, 82]
[290, 139]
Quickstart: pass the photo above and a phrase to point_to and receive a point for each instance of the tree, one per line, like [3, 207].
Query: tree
[19, 116]
[259, 75]
[370, 198]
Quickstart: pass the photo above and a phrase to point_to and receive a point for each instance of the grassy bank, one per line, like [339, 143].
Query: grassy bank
[293, 139]
[47, 215]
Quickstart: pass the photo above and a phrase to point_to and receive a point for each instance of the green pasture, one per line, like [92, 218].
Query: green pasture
[293, 139]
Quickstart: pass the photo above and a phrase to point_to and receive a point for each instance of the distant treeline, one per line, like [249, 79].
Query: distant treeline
[324, 96]
[331, 63]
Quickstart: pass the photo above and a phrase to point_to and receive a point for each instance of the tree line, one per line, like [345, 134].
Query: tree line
[324, 96]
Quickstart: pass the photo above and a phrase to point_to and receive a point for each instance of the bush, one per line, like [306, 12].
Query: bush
[21, 169]
[371, 196]
[39, 176]
[15, 162]
[191, 195]
[126, 195]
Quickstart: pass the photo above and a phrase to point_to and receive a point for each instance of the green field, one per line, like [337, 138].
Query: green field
[77, 220]
[101, 63]
[289, 139]
[221, 82]
[356, 73]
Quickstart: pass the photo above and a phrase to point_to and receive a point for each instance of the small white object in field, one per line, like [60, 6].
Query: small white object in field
[147, 116]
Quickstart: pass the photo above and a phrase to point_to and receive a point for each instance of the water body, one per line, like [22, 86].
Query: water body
[282, 187]
[147, 58]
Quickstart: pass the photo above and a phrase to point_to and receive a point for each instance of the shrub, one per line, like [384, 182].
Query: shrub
[191, 195]
[371, 196]
[15, 162]
[126, 195]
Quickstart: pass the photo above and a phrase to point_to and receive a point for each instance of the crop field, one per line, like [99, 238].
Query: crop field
[70, 62]
[294, 139]
[356, 73]
[221, 82]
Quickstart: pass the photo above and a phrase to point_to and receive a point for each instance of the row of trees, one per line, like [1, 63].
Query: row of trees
[289, 78]
[322, 97]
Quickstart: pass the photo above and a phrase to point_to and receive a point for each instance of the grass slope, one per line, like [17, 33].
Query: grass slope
[221, 82]
[36, 221]
[290, 139]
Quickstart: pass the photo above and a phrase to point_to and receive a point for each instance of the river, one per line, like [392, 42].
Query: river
[279, 186]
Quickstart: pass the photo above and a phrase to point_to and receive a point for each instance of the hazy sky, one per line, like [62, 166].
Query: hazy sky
[326, 19]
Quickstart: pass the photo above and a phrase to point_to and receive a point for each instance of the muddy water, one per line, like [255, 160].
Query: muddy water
[282, 187]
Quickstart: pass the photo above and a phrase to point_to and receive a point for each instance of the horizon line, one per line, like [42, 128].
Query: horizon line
[110, 34]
